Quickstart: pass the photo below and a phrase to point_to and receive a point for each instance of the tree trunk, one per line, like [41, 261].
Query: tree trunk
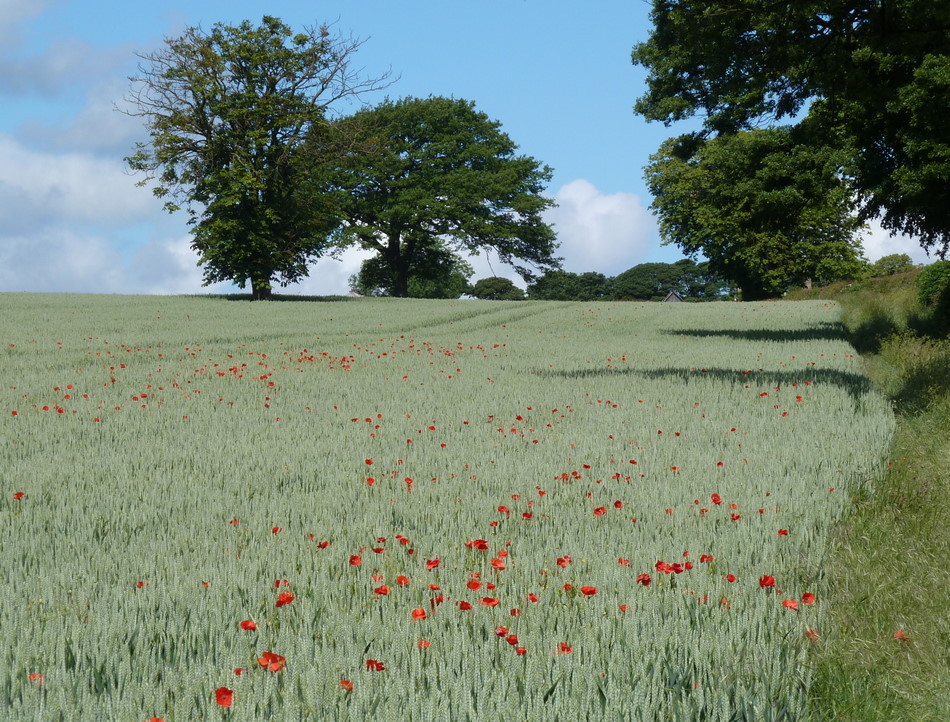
[398, 258]
[260, 289]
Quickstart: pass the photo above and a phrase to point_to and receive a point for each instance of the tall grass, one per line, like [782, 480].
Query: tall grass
[889, 658]
[425, 479]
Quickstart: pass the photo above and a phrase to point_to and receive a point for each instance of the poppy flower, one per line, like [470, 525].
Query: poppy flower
[432, 564]
[644, 579]
[563, 648]
[402, 581]
[730, 578]
[375, 665]
[18, 495]
[238, 671]
[382, 590]
[520, 651]
[501, 631]
[618, 504]
[532, 597]
[489, 601]
[224, 696]
[248, 625]
[563, 561]
[284, 598]
[424, 644]
[478, 544]
[623, 562]
[473, 584]
[808, 598]
[766, 580]
[588, 591]
[705, 558]
[715, 498]
[464, 606]
[276, 530]
[790, 604]
[498, 564]
[812, 635]
[899, 634]
[355, 560]
[346, 684]
[419, 613]
[783, 532]
[36, 678]
[272, 662]
[512, 639]
[600, 511]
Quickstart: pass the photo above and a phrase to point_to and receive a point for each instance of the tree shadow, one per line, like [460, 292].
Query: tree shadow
[855, 384]
[286, 298]
[824, 331]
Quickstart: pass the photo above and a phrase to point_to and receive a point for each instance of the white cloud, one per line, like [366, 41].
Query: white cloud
[879, 242]
[607, 233]
[12, 14]
[58, 260]
[40, 188]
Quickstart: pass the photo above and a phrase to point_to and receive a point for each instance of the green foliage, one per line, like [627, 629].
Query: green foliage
[434, 272]
[439, 169]
[567, 286]
[873, 76]
[767, 211]
[890, 265]
[689, 279]
[227, 112]
[933, 283]
[496, 288]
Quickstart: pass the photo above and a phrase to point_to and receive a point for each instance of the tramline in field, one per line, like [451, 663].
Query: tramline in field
[421, 510]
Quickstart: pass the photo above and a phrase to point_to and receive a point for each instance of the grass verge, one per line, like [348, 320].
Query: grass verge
[886, 653]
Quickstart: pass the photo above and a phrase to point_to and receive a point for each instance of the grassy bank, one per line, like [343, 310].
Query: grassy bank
[886, 653]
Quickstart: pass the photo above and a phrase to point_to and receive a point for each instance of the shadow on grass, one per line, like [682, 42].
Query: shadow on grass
[288, 298]
[856, 384]
[817, 332]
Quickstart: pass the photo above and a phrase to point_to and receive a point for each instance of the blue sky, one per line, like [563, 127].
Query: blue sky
[555, 73]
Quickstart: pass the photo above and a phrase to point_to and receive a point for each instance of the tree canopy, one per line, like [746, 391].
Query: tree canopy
[870, 77]
[227, 112]
[651, 281]
[768, 212]
[496, 288]
[435, 271]
[567, 286]
[436, 170]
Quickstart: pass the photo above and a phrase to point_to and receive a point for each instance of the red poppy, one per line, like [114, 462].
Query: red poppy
[563, 648]
[766, 581]
[623, 608]
[284, 598]
[588, 591]
[808, 598]
[790, 604]
[18, 495]
[489, 601]
[532, 597]
[600, 511]
[402, 581]
[501, 631]
[346, 684]
[234, 522]
[238, 671]
[419, 613]
[356, 560]
[498, 564]
[644, 579]
[464, 606]
[618, 504]
[705, 558]
[323, 545]
[716, 499]
[512, 639]
[730, 578]
[520, 651]
[424, 644]
[375, 665]
[478, 544]
[36, 678]
[272, 662]
[248, 625]
[432, 564]
[783, 532]
[623, 562]
[224, 696]
[899, 634]
[382, 590]
[812, 635]
[563, 561]
[527, 515]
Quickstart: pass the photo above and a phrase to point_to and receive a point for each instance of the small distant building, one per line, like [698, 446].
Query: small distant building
[672, 297]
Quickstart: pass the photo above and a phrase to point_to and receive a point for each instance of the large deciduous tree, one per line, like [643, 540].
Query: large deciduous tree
[873, 76]
[767, 211]
[437, 171]
[228, 112]
[435, 272]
